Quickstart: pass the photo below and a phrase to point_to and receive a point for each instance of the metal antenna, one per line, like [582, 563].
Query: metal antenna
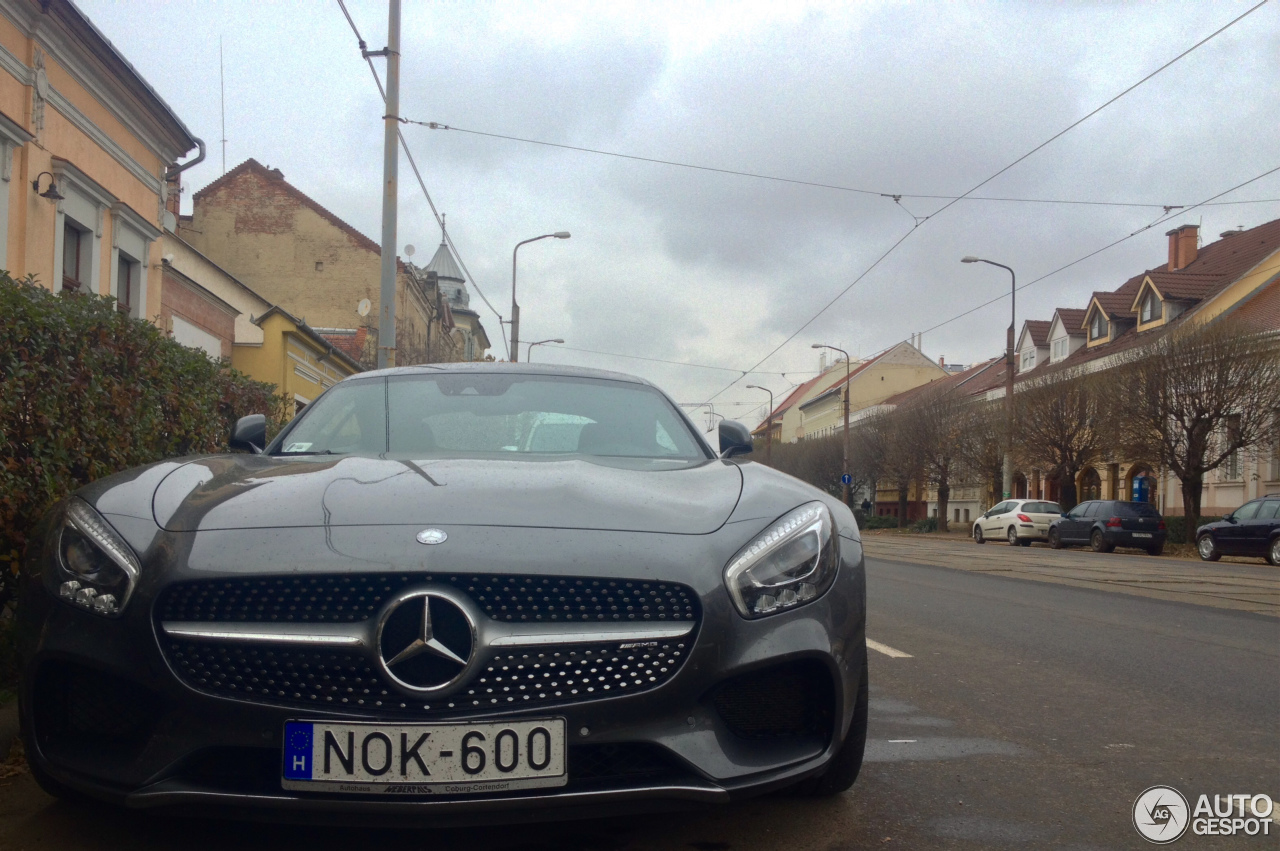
[222, 84]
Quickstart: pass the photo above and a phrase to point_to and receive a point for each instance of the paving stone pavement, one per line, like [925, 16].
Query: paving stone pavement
[1239, 586]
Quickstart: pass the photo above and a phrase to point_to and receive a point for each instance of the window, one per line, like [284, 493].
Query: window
[1028, 359]
[1060, 348]
[1270, 510]
[1246, 511]
[126, 285]
[1150, 308]
[75, 266]
[1098, 326]
[1231, 467]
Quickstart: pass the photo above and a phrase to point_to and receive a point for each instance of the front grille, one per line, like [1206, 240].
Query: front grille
[325, 677]
[625, 760]
[351, 598]
[785, 701]
[313, 675]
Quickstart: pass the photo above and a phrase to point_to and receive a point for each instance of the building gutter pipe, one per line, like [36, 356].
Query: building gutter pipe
[175, 170]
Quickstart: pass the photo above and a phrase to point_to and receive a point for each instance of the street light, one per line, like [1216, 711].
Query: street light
[515, 308]
[768, 446]
[1008, 373]
[845, 474]
[529, 356]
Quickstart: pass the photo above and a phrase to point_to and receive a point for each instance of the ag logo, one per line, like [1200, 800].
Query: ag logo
[1161, 815]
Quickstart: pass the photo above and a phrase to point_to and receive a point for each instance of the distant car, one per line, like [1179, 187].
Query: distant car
[1253, 529]
[1018, 521]
[1104, 524]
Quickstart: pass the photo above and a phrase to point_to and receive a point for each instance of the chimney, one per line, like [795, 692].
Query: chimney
[942, 362]
[1183, 245]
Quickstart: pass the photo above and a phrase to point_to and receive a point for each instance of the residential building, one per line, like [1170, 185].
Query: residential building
[297, 254]
[1236, 276]
[86, 154]
[457, 301]
[294, 357]
[816, 408]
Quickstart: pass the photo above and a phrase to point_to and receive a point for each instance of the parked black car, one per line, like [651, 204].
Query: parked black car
[1105, 524]
[1253, 529]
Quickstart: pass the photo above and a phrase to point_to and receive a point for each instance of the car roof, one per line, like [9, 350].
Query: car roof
[503, 368]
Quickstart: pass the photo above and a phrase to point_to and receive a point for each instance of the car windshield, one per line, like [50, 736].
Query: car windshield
[452, 414]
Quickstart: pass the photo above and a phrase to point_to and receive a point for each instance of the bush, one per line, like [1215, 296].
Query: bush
[875, 522]
[89, 392]
[925, 524]
[1178, 528]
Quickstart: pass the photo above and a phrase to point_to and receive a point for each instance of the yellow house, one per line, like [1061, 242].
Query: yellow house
[86, 148]
[820, 409]
[295, 358]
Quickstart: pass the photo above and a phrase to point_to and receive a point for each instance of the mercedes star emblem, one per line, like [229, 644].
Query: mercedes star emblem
[432, 536]
[425, 641]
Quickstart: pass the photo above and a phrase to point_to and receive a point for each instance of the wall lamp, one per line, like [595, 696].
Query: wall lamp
[52, 192]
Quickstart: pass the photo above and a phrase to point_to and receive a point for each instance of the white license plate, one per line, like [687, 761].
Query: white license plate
[1142, 534]
[417, 759]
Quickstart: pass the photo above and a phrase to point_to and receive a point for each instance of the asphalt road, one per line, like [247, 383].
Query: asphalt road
[1027, 714]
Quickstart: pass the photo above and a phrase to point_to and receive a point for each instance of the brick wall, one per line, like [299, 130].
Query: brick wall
[178, 298]
[300, 256]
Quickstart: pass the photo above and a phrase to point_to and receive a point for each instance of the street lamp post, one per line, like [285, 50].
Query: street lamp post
[515, 308]
[529, 356]
[1008, 372]
[768, 432]
[844, 478]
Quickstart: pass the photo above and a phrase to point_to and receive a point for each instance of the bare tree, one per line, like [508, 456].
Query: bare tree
[981, 447]
[1191, 400]
[1060, 427]
[933, 423]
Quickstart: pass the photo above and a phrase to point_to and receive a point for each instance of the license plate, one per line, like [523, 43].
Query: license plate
[418, 759]
[1142, 534]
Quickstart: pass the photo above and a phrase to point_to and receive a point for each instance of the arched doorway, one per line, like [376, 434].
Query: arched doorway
[1019, 486]
[1141, 484]
[1090, 484]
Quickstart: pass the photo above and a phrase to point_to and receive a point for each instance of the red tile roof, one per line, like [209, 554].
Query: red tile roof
[1072, 318]
[1261, 312]
[1039, 329]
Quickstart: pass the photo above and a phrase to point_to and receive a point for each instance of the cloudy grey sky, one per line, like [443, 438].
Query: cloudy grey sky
[669, 263]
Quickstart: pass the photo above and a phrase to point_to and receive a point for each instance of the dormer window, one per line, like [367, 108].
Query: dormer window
[1028, 359]
[1060, 348]
[1098, 326]
[1151, 308]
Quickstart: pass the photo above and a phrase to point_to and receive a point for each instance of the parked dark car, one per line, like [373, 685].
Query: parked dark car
[1104, 524]
[452, 590]
[1253, 529]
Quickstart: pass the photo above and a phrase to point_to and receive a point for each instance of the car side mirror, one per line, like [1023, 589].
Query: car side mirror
[249, 434]
[1230, 518]
[735, 439]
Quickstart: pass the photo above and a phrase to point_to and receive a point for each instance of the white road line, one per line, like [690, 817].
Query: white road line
[887, 650]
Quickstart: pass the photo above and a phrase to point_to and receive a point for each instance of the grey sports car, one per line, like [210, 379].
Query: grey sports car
[449, 591]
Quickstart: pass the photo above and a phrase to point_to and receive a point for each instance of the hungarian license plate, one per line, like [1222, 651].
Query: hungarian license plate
[1142, 534]
[417, 759]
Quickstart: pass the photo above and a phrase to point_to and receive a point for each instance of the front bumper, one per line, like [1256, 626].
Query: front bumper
[159, 742]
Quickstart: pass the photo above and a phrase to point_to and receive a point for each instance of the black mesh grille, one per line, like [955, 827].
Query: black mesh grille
[350, 598]
[780, 702]
[325, 677]
[623, 760]
[81, 708]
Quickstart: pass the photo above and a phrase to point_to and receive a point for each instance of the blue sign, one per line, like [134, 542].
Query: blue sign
[297, 751]
[846, 479]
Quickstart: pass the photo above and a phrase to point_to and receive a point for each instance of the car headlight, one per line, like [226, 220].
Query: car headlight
[98, 570]
[789, 564]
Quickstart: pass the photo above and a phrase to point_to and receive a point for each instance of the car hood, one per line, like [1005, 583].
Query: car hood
[261, 492]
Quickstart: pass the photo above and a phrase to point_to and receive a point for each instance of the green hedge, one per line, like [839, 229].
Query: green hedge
[1178, 528]
[88, 392]
[877, 522]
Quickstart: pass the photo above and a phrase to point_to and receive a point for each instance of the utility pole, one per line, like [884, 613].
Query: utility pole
[515, 307]
[768, 433]
[390, 185]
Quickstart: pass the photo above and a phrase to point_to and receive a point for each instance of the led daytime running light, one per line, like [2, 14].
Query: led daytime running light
[83, 519]
[784, 586]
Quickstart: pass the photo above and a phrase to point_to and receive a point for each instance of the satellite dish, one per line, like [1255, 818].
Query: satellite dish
[408, 250]
[363, 307]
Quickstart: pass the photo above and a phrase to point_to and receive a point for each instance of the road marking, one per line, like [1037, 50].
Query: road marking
[902, 741]
[887, 650]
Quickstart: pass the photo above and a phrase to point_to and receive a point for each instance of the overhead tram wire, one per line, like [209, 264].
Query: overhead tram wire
[894, 196]
[979, 185]
[1107, 247]
[421, 183]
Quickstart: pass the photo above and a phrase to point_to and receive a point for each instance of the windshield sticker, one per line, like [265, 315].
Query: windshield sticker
[297, 447]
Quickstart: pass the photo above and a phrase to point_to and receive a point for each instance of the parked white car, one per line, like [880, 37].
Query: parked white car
[1018, 521]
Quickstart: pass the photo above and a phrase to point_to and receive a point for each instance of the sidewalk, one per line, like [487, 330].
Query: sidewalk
[1242, 587]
